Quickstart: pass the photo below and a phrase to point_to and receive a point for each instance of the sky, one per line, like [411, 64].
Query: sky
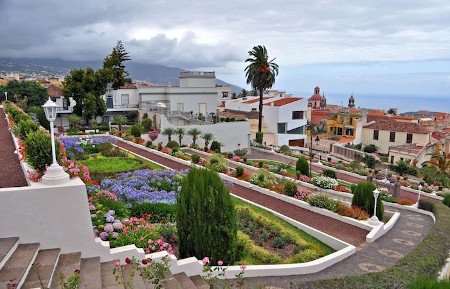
[354, 46]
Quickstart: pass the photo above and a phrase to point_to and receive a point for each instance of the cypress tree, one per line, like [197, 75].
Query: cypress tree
[302, 166]
[363, 198]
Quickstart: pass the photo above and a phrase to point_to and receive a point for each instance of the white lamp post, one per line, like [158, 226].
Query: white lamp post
[6, 95]
[374, 219]
[420, 191]
[55, 174]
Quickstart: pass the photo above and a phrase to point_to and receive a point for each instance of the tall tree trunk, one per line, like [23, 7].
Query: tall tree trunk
[260, 110]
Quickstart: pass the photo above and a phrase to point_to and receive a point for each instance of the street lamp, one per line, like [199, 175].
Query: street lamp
[6, 95]
[317, 140]
[420, 191]
[374, 219]
[55, 174]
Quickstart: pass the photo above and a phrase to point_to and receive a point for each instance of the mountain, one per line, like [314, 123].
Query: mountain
[153, 73]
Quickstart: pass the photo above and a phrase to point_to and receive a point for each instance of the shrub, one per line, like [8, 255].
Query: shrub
[259, 137]
[262, 178]
[324, 182]
[147, 124]
[206, 218]
[132, 115]
[240, 152]
[363, 198]
[217, 163]
[160, 211]
[370, 148]
[370, 161]
[403, 168]
[239, 171]
[215, 146]
[195, 158]
[405, 202]
[40, 114]
[352, 212]
[329, 173]
[108, 150]
[174, 145]
[426, 205]
[39, 150]
[136, 130]
[25, 127]
[150, 144]
[278, 242]
[290, 188]
[302, 166]
[302, 195]
[285, 150]
[430, 283]
[446, 200]
[323, 201]
[145, 115]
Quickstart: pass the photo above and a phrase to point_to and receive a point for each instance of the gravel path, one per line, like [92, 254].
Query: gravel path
[346, 232]
[10, 170]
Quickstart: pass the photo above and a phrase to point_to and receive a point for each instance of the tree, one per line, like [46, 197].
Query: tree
[194, 133]
[168, 132]
[302, 166]
[147, 123]
[74, 120]
[31, 92]
[180, 132]
[114, 68]
[207, 137]
[244, 93]
[260, 73]
[206, 218]
[440, 160]
[119, 120]
[363, 198]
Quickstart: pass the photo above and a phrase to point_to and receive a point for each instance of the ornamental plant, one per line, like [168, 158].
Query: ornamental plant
[290, 188]
[206, 217]
[39, 150]
[217, 163]
[324, 182]
[363, 198]
[195, 158]
[285, 150]
[136, 130]
[215, 146]
[329, 173]
[302, 166]
[147, 124]
[262, 178]
[323, 201]
[25, 127]
[153, 273]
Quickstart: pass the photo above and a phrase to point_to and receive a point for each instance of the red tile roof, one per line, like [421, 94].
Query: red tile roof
[255, 100]
[399, 126]
[54, 90]
[319, 115]
[128, 85]
[346, 139]
[283, 101]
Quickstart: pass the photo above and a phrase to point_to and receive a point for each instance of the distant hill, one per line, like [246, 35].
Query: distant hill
[153, 73]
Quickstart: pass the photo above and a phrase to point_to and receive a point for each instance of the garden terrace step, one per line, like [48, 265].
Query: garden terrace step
[108, 278]
[90, 273]
[171, 282]
[137, 282]
[199, 282]
[42, 269]
[15, 269]
[184, 281]
[6, 249]
[67, 264]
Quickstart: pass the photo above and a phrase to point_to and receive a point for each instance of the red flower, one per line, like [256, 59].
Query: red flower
[144, 261]
[128, 261]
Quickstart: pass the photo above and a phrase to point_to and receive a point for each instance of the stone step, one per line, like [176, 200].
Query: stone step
[171, 282]
[134, 278]
[184, 281]
[7, 247]
[108, 278]
[90, 272]
[199, 282]
[15, 269]
[66, 267]
[42, 269]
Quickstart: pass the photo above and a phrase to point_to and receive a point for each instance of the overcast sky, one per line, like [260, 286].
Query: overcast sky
[362, 46]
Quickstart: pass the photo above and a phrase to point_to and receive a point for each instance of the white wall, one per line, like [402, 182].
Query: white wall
[383, 142]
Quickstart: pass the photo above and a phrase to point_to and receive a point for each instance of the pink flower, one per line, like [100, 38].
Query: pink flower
[117, 263]
[205, 261]
[243, 267]
[220, 262]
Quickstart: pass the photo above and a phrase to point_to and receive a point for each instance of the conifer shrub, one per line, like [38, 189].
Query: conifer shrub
[206, 218]
[239, 171]
[329, 173]
[147, 124]
[285, 150]
[446, 200]
[195, 158]
[426, 205]
[39, 150]
[136, 130]
[302, 166]
[215, 146]
[363, 198]
[259, 137]
[290, 188]
[174, 145]
[25, 127]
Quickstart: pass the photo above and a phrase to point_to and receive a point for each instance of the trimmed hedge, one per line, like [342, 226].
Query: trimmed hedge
[160, 211]
[302, 166]
[363, 198]
[39, 150]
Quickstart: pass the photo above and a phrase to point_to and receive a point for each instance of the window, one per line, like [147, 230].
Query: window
[282, 127]
[180, 107]
[392, 159]
[375, 134]
[409, 138]
[297, 115]
[125, 98]
[225, 94]
[339, 131]
[392, 136]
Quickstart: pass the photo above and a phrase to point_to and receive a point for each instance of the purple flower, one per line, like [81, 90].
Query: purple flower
[115, 235]
[92, 208]
[117, 225]
[110, 219]
[108, 228]
[110, 213]
[103, 236]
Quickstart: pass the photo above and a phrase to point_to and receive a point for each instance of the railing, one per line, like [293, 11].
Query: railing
[125, 106]
[66, 108]
[192, 118]
[198, 73]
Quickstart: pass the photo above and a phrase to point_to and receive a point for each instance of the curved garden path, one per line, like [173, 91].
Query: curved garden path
[11, 173]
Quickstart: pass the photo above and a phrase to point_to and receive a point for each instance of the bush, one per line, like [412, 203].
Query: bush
[39, 150]
[160, 211]
[430, 283]
[174, 145]
[217, 163]
[215, 146]
[290, 188]
[405, 202]
[108, 150]
[363, 198]
[40, 114]
[259, 137]
[195, 158]
[132, 115]
[403, 168]
[25, 127]
[370, 161]
[352, 212]
[329, 173]
[206, 218]
[446, 200]
[302, 166]
[262, 178]
[145, 115]
[323, 201]
[150, 144]
[370, 148]
[285, 150]
[324, 182]
[147, 124]
[239, 171]
[136, 130]
[240, 152]
[426, 205]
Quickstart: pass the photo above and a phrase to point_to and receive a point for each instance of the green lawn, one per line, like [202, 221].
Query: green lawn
[111, 165]
[290, 169]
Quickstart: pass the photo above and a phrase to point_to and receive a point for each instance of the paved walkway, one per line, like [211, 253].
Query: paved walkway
[11, 173]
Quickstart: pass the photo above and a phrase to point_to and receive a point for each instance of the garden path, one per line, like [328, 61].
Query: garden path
[11, 173]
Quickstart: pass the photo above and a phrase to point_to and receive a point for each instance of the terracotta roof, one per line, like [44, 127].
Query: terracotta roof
[128, 85]
[315, 97]
[54, 90]
[255, 100]
[346, 139]
[318, 115]
[376, 112]
[438, 135]
[404, 117]
[282, 101]
[398, 126]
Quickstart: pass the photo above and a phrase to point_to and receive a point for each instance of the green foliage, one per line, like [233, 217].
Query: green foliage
[323, 201]
[173, 145]
[262, 178]
[403, 168]
[370, 148]
[194, 133]
[110, 165]
[180, 132]
[31, 92]
[240, 152]
[363, 198]
[239, 171]
[259, 137]
[217, 163]
[429, 283]
[119, 120]
[136, 130]
[215, 146]
[168, 132]
[131, 116]
[108, 150]
[426, 205]
[39, 150]
[433, 175]
[302, 166]
[207, 137]
[195, 158]
[370, 161]
[446, 200]
[329, 173]
[25, 127]
[206, 218]
[285, 150]
[290, 188]
[161, 212]
[147, 123]
[74, 120]
[40, 114]
[114, 68]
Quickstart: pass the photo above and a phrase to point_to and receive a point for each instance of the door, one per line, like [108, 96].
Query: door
[109, 101]
[392, 159]
[202, 108]
[297, 142]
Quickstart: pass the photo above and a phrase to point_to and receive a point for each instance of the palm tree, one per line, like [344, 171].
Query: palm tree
[194, 133]
[207, 137]
[312, 130]
[180, 132]
[244, 93]
[120, 120]
[440, 161]
[168, 132]
[260, 73]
